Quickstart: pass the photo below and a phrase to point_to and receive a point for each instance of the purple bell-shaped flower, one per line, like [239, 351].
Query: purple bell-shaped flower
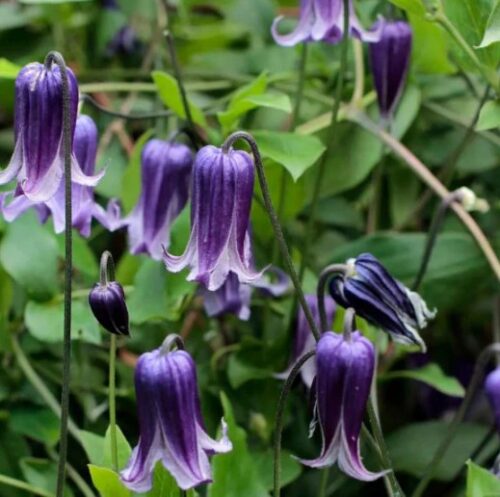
[492, 389]
[390, 59]
[322, 20]
[165, 177]
[220, 210]
[170, 423]
[38, 158]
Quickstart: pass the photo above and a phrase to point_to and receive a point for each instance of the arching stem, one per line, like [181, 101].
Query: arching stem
[325, 275]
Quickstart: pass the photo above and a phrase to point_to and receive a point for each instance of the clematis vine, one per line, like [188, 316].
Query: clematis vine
[170, 423]
[37, 161]
[220, 210]
[323, 20]
[165, 176]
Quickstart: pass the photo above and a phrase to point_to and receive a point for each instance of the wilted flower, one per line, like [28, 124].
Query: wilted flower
[38, 158]
[165, 176]
[234, 297]
[83, 205]
[492, 389]
[345, 372]
[380, 299]
[322, 20]
[390, 59]
[220, 211]
[170, 424]
[107, 302]
[304, 340]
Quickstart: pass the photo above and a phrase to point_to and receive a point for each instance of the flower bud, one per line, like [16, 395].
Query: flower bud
[109, 308]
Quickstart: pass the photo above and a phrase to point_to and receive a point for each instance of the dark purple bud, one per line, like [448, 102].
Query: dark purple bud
[382, 300]
[165, 177]
[345, 368]
[390, 59]
[304, 339]
[38, 161]
[322, 20]
[220, 211]
[107, 302]
[170, 423]
[492, 389]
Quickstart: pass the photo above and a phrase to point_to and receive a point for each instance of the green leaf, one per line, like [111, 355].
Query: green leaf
[37, 423]
[93, 445]
[480, 482]
[489, 116]
[411, 6]
[123, 449]
[35, 266]
[42, 473]
[45, 322]
[170, 95]
[107, 482]
[413, 446]
[407, 111]
[290, 467]
[432, 375]
[239, 372]
[492, 31]
[8, 70]
[235, 474]
[296, 153]
[164, 484]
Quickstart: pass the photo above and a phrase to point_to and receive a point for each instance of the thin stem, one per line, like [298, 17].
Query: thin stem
[427, 177]
[330, 143]
[325, 473]
[22, 485]
[434, 229]
[280, 411]
[359, 73]
[349, 323]
[57, 58]
[112, 402]
[106, 268]
[475, 382]
[278, 232]
[325, 275]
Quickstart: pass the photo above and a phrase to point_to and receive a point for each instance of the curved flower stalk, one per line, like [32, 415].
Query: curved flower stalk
[390, 60]
[304, 340]
[376, 296]
[82, 197]
[38, 158]
[170, 423]
[220, 210]
[165, 176]
[345, 368]
[234, 297]
[322, 20]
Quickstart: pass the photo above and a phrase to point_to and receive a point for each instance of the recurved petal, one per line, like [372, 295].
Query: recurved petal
[17, 206]
[212, 446]
[302, 31]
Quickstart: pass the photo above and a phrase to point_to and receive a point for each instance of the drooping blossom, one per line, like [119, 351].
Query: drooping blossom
[170, 423]
[492, 389]
[322, 20]
[220, 209]
[107, 302]
[345, 368]
[84, 207]
[38, 158]
[304, 340]
[390, 59]
[165, 177]
[376, 296]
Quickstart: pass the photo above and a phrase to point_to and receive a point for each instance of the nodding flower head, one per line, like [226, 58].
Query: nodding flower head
[390, 59]
[492, 389]
[165, 176]
[170, 424]
[220, 210]
[345, 368]
[382, 300]
[323, 20]
[108, 305]
[38, 158]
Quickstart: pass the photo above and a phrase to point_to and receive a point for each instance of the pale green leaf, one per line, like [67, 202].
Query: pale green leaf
[122, 446]
[8, 70]
[489, 117]
[492, 31]
[107, 482]
[412, 6]
[481, 482]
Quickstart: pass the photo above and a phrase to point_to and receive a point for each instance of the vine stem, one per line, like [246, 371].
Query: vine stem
[57, 58]
[330, 142]
[432, 182]
[325, 275]
[280, 411]
[475, 382]
[112, 402]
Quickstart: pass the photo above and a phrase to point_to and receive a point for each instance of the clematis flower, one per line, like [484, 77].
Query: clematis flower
[304, 339]
[234, 297]
[220, 211]
[390, 59]
[165, 176]
[84, 208]
[107, 303]
[38, 158]
[492, 389]
[345, 368]
[382, 300]
[170, 423]
[322, 20]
